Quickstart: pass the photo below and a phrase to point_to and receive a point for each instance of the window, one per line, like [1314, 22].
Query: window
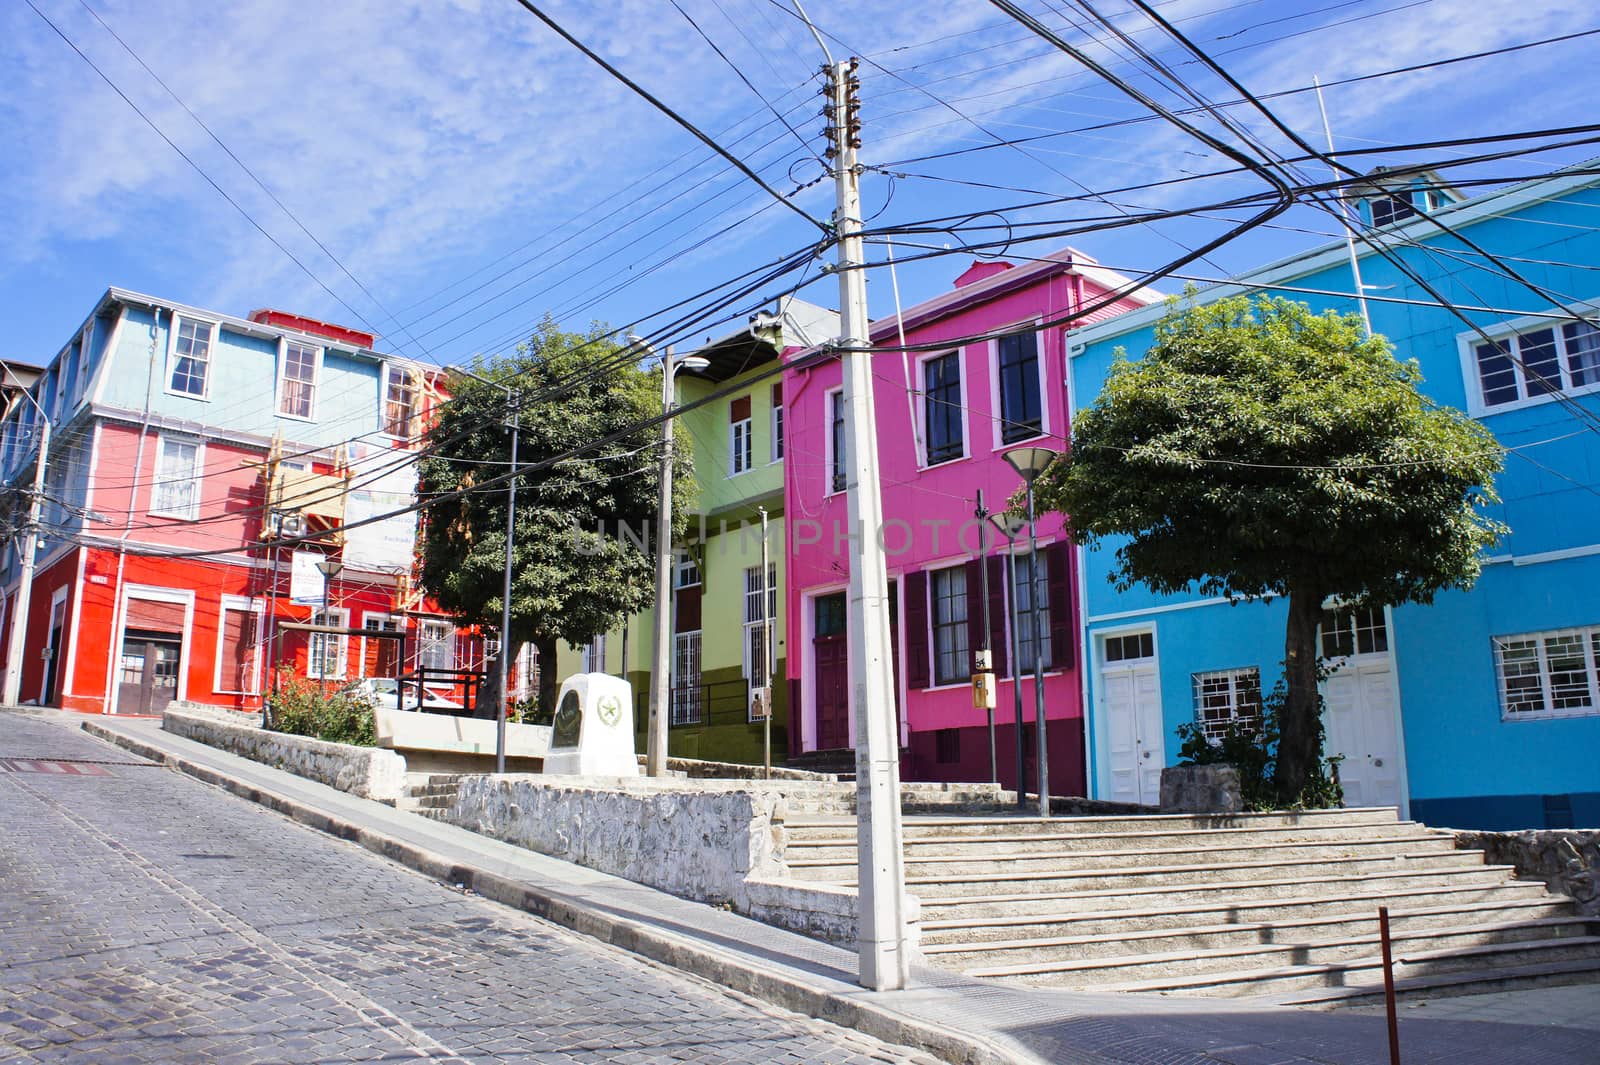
[740, 446]
[686, 572]
[384, 654]
[755, 647]
[1228, 698]
[1130, 648]
[950, 662]
[687, 703]
[1350, 631]
[298, 385]
[1021, 415]
[326, 658]
[191, 358]
[1538, 362]
[177, 487]
[65, 393]
[941, 406]
[399, 401]
[594, 655]
[436, 648]
[777, 423]
[1549, 674]
[238, 651]
[830, 616]
[1392, 208]
[1023, 591]
[836, 462]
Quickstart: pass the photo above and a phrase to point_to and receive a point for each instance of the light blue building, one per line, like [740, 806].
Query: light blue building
[1483, 709]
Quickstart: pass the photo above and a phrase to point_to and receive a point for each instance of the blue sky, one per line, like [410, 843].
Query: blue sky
[473, 172]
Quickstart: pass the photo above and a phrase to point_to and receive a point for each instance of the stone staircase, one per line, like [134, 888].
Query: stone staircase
[429, 794]
[1264, 905]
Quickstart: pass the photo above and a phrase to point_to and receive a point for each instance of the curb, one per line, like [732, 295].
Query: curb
[958, 1048]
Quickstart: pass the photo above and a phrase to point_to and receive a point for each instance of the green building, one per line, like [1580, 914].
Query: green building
[717, 653]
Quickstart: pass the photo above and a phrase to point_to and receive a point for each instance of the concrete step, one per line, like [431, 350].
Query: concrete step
[1441, 949]
[1363, 976]
[1453, 984]
[978, 902]
[1305, 936]
[923, 826]
[1524, 899]
[982, 861]
[824, 842]
[1168, 877]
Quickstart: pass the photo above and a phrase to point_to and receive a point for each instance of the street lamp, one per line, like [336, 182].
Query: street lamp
[30, 545]
[1010, 525]
[1030, 462]
[660, 672]
[502, 668]
[329, 567]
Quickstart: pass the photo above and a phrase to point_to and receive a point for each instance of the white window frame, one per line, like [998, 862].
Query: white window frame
[741, 446]
[1013, 577]
[328, 615]
[752, 623]
[283, 380]
[1468, 342]
[959, 628]
[997, 414]
[386, 623]
[689, 709]
[775, 441]
[244, 605]
[686, 570]
[390, 372]
[197, 478]
[827, 443]
[1235, 680]
[1589, 635]
[428, 642]
[593, 655]
[177, 323]
[920, 388]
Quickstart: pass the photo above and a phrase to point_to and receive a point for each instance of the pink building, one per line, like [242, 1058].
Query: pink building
[946, 416]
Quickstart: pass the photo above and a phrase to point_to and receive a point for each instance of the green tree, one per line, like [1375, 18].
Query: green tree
[578, 565]
[1261, 449]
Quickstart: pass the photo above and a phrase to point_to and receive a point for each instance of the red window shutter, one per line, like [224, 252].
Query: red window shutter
[739, 409]
[688, 619]
[997, 614]
[152, 615]
[974, 611]
[1058, 585]
[916, 629]
[777, 395]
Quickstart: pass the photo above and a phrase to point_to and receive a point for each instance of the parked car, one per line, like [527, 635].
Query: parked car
[384, 693]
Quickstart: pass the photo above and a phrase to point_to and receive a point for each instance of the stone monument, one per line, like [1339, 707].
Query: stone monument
[592, 733]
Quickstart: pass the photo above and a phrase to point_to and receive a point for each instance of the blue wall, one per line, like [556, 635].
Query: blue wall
[1466, 765]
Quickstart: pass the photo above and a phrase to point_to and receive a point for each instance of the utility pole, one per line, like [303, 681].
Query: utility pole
[881, 877]
[30, 545]
[503, 669]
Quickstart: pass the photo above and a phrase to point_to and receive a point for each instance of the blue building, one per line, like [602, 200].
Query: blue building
[1483, 709]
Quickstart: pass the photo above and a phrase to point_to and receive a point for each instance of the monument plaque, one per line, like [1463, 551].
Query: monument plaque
[592, 733]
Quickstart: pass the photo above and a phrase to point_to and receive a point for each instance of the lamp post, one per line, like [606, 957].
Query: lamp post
[330, 568]
[1030, 462]
[660, 670]
[1010, 525]
[30, 546]
[502, 668]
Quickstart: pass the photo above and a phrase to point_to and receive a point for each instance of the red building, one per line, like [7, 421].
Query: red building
[198, 468]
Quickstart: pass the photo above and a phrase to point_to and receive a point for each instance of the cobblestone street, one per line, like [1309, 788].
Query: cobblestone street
[146, 917]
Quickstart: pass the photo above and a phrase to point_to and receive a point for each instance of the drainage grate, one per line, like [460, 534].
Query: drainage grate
[69, 767]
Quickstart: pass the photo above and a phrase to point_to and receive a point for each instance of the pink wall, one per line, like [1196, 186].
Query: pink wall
[929, 519]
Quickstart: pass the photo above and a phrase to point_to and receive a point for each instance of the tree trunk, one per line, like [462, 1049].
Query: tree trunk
[1299, 726]
[549, 681]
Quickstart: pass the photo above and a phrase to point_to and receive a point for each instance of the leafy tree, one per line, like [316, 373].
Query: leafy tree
[578, 565]
[1261, 449]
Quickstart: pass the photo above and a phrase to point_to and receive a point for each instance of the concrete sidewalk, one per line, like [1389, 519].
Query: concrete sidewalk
[958, 1019]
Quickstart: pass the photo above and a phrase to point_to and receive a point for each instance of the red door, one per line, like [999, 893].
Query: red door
[831, 664]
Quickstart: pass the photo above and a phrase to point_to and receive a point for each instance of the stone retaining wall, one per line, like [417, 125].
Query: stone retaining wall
[1566, 859]
[364, 771]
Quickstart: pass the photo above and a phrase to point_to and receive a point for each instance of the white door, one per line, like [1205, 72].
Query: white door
[1136, 745]
[1361, 715]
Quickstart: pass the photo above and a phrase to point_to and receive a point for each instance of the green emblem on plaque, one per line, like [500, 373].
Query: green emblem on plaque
[609, 710]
